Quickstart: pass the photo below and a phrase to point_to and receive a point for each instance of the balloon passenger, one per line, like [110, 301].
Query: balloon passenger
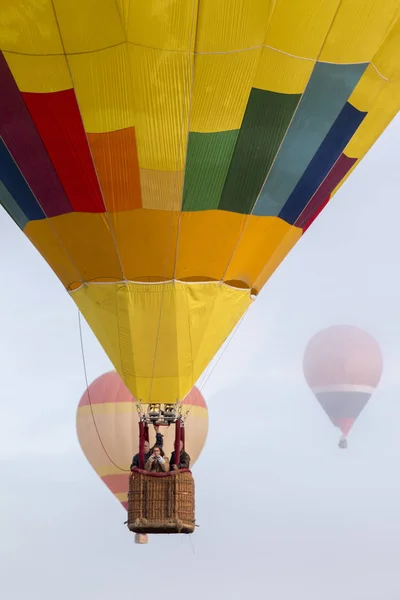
[184, 459]
[147, 450]
[157, 463]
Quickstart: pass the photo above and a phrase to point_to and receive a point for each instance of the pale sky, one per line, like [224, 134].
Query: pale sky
[283, 513]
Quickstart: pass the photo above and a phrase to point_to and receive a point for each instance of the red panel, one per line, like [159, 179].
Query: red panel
[117, 483]
[344, 425]
[322, 195]
[58, 121]
[107, 389]
[194, 398]
[315, 215]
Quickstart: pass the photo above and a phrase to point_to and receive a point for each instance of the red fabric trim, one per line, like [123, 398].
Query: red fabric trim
[177, 442]
[141, 444]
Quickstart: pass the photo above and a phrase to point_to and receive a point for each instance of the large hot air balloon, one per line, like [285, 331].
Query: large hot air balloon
[107, 427]
[342, 366]
[164, 157]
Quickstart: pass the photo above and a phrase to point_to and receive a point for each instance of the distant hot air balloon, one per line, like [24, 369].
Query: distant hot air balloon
[107, 424]
[342, 366]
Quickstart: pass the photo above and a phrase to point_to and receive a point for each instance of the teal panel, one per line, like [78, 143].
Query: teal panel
[265, 122]
[9, 204]
[208, 159]
[326, 94]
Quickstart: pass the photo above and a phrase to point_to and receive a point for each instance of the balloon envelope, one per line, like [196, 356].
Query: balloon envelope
[342, 366]
[116, 418]
[164, 157]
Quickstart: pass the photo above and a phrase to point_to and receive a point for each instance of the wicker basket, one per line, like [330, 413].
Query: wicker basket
[161, 502]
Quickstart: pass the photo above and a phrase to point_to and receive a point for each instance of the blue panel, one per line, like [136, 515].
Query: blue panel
[17, 188]
[327, 154]
[326, 94]
[12, 207]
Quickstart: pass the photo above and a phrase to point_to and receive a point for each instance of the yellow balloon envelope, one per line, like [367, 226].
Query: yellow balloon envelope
[108, 432]
[165, 156]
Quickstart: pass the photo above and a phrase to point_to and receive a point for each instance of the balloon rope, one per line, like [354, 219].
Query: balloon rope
[90, 402]
[211, 371]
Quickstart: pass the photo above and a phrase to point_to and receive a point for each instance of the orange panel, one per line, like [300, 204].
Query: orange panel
[46, 241]
[206, 242]
[146, 241]
[263, 245]
[213, 245]
[116, 161]
[86, 242]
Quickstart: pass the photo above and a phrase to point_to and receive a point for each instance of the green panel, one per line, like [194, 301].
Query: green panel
[265, 123]
[208, 159]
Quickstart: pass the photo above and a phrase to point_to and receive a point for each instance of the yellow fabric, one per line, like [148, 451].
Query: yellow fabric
[359, 28]
[161, 337]
[387, 59]
[39, 74]
[161, 102]
[103, 88]
[29, 27]
[300, 27]
[368, 89]
[226, 78]
[279, 72]
[76, 18]
[160, 24]
[220, 30]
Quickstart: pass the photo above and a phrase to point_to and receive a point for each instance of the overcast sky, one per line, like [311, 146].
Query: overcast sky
[283, 513]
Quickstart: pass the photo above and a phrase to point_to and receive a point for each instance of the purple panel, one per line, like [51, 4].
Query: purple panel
[24, 143]
[334, 177]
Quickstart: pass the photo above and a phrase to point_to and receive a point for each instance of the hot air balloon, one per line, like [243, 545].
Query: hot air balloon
[164, 157]
[107, 428]
[343, 366]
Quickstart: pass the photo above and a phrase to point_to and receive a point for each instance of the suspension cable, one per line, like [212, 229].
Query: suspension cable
[90, 402]
[203, 385]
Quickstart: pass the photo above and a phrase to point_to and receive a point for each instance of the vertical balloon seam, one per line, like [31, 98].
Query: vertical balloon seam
[280, 146]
